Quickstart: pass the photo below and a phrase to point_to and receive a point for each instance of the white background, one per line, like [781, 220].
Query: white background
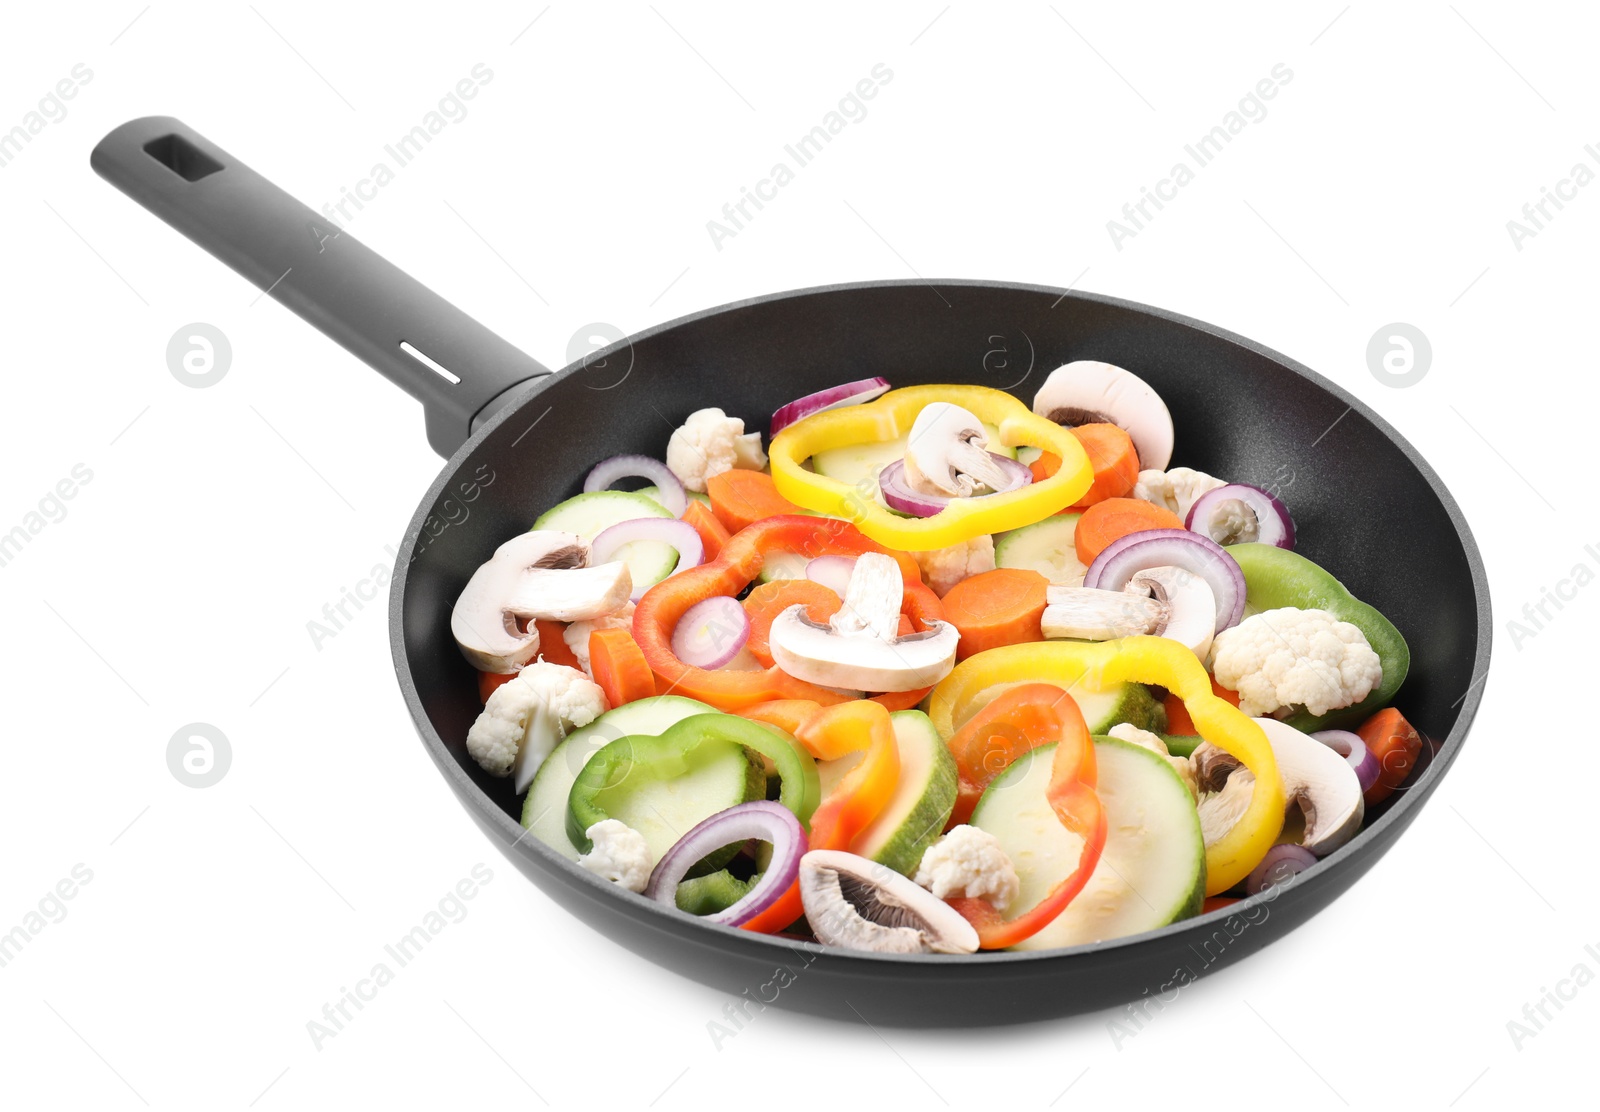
[219, 521]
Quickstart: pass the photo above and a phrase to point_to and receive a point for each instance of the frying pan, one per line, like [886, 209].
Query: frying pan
[1243, 411]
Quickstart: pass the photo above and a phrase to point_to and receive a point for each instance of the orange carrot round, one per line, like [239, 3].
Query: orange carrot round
[713, 534]
[1115, 462]
[553, 646]
[1396, 744]
[1115, 518]
[995, 608]
[763, 605]
[740, 497]
[619, 666]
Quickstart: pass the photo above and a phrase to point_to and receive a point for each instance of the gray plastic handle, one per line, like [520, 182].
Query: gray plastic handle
[319, 272]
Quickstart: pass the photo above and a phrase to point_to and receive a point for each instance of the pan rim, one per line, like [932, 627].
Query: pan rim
[669, 920]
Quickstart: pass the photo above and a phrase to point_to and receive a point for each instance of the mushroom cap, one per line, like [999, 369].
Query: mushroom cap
[1086, 392]
[861, 905]
[1189, 602]
[865, 661]
[1323, 783]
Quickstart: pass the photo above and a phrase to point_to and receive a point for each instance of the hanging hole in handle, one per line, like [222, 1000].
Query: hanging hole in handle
[453, 380]
[182, 157]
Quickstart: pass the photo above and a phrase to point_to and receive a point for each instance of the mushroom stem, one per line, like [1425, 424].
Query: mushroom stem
[1095, 615]
[871, 598]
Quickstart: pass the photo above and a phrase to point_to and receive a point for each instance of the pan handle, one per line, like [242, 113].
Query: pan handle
[321, 273]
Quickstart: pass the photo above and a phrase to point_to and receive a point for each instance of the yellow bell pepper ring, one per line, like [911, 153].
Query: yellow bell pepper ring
[890, 417]
[1154, 660]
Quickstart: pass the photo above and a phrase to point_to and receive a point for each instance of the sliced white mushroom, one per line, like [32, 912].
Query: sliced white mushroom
[947, 452]
[861, 905]
[1325, 790]
[1087, 392]
[1321, 782]
[535, 575]
[858, 649]
[1161, 602]
[1191, 605]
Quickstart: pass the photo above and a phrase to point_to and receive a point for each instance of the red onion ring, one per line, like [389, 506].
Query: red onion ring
[670, 490]
[898, 495]
[835, 397]
[711, 633]
[1280, 864]
[1353, 749]
[763, 820]
[679, 534]
[1274, 526]
[1127, 556]
[833, 572]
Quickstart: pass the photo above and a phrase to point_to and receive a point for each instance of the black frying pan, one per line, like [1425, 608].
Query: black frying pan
[1245, 412]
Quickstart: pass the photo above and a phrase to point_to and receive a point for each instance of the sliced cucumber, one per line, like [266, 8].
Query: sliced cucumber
[783, 565]
[859, 464]
[649, 562]
[922, 802]
[1028, 453]
[720, 774]
[1152, 871]
[1102, 707]
[1047, 547]
[544, 812]
[654, 492]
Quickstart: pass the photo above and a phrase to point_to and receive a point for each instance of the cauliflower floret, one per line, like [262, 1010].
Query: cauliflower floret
[709, 443]
[943, 568]
[969, 862]
[526, 717]
[1291, 657]
[576, 635]
[619, 854]
[1177, 489]
[1127, 731]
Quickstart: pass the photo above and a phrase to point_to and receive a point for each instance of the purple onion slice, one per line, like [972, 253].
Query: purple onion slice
[711, 633]
[1280, 864]
[1214, 514]
[898, 495]
[1350, 746]
[835, 397]
[670, 492]
[1127, 556]
[679, 534]
[763, 820]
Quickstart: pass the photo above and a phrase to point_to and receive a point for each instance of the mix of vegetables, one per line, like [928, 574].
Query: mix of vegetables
[934, 672]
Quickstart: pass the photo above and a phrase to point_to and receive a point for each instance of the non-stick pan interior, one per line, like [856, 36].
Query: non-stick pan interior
[1240, 413]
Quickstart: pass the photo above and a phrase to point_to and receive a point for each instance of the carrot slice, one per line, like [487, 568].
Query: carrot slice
[901, 700]
[489, 681]
[1396, 744]
[1115, 462]
[763, 605]
[552, 646]
[995, 608]
[713, 534]
[1115, 518]
[619, 666]
[740, 497]
[1179, 724]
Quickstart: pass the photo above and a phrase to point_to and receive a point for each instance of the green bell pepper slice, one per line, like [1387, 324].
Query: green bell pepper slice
[639, 759]
[1276, 577]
